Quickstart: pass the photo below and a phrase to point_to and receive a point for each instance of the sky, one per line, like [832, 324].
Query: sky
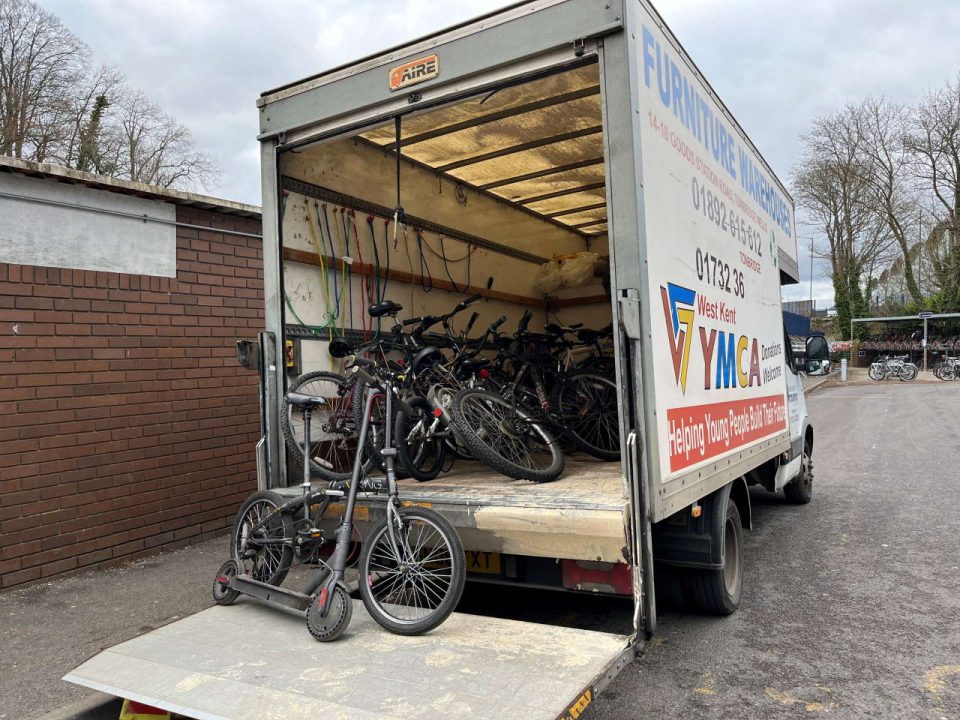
[777, 64]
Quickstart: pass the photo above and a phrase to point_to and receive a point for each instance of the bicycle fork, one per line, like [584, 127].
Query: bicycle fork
[338, 561]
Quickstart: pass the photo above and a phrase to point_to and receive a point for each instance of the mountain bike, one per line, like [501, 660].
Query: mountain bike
[531, 407]
[411, 565]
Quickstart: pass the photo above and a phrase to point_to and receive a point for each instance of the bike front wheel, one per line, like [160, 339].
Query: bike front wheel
[412, 585]
[504, 436]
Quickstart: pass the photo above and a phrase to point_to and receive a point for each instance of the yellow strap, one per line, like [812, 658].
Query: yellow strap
[323, 269]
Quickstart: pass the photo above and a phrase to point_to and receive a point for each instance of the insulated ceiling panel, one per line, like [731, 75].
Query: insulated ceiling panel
[538, 145]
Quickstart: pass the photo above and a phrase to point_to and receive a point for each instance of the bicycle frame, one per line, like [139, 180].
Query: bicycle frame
[334, 570]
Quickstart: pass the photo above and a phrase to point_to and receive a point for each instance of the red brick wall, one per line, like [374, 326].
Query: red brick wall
[126, 425]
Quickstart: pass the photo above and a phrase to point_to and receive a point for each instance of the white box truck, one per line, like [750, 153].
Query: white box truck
[459, 164]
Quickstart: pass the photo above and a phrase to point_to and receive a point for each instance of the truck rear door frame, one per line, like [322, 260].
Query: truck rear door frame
[567, 34]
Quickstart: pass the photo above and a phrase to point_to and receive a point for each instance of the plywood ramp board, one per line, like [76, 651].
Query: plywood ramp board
[250, 662]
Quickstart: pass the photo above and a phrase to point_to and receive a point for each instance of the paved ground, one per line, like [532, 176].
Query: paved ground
[851, 607]
[852, 603]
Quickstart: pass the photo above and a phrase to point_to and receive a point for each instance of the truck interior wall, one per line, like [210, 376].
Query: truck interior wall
[359, 170]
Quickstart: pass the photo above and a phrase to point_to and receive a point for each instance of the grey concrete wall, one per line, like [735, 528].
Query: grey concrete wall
[40, 233]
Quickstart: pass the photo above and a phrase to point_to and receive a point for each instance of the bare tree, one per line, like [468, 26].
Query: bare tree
[935, 145]
[886, 162]
[151, 147]
[55, 106]
[832, 187]
[104, 82]
[41, 62]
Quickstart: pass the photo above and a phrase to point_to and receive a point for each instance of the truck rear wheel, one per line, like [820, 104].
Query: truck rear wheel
[718, 591]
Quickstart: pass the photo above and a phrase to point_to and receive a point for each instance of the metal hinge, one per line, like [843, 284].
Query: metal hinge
[630, 313]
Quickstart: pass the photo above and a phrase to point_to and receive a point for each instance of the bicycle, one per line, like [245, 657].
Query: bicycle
[411, 565]
[948, 369]
[899, 367]
[514, 426]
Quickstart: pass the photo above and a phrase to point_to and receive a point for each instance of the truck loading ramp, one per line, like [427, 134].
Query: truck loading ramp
[251, 662]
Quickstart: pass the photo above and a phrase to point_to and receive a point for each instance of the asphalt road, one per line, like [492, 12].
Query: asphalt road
[851, 604]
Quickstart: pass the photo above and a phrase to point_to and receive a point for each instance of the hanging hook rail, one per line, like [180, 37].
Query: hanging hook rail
[331, 196]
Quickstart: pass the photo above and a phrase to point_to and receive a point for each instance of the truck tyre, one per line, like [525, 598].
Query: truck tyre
[799, 491]
[717, 591]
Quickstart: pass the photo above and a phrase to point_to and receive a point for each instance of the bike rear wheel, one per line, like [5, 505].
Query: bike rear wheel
[586, 405]
[505, 437]
[414, 587]
[909, 372]
[333, 432]
[263, 552]
[420, 456]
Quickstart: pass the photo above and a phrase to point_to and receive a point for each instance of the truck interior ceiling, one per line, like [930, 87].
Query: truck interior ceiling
[493, 187]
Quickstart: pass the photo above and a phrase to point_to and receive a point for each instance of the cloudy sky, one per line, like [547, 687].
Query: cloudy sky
[776, 63]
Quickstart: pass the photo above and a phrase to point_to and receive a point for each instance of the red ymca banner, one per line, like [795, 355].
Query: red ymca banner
[702, 432]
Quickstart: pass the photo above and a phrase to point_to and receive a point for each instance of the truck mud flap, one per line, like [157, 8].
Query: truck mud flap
[249, 661]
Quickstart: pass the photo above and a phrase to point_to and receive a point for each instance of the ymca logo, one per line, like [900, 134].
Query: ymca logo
[679, 312]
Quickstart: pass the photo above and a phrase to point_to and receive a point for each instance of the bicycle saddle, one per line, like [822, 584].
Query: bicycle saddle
[340, 349]
[387, 307]
[307, 402]
[425, 358]
[471, 365]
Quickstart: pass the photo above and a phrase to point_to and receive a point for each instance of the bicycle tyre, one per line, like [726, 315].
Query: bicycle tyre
[374, 556]
[271, 567]
[337, 460]
[876, 372]
[909, 372]
[425, 460]
[592, 421]
[479, 414]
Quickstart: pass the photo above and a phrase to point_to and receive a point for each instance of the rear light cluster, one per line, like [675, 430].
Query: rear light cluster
[597, 577]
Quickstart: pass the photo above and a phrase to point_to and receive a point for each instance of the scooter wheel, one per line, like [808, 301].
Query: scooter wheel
[338, 615]
[223, 594]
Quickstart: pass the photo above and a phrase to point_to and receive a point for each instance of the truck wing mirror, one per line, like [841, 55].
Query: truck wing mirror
[817, 355]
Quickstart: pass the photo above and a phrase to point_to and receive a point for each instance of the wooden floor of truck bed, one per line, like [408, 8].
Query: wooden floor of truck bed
[585, 484]
[580, 516]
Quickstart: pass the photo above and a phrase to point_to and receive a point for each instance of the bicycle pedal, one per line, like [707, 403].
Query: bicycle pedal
[310, 535]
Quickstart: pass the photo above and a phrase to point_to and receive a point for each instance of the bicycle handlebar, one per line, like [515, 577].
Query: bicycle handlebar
[473, 319]
[371, 379]
[524, 321]
[464, 304]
